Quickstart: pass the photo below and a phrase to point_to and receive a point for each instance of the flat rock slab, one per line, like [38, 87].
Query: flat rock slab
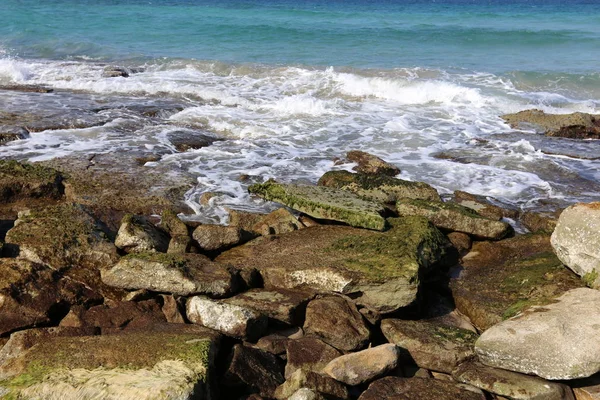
[166, 365]
[231, 320]
[576, 241]
[364, 366]
[324, 203]
[280, 305]
[576, 125]
[309, 354]
[510, 384]
[336, 320]
[184, 274]
[371, 164]
[395, 388]
[454, 217]
[556, 341]
[380, 188]
[380, 270]
[500, 279]
[431, 346]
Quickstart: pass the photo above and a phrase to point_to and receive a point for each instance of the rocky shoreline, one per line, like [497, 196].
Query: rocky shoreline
[371, 287]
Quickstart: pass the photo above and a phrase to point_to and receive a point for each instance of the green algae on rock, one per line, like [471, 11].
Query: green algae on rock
[324, 203]
[454, 217]
[380, 188]
[575, 126]
[21, 180]
[380, 270]
[135, 366]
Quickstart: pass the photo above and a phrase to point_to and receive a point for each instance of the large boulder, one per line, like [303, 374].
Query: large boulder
[455, 218]
[363, 366]
[576, 125]
[181, 274]
[555, 341]
[173, 363]
[381, 270]
[384, 189]
[68, 239]
[392, 387]
[576, 241]
[324, 203]
[430, 345]
[336, 321]
[370, 164]
[500, 279]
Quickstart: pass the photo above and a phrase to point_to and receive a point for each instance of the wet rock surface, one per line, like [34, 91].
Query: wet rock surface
[370, 164]
[576, 125]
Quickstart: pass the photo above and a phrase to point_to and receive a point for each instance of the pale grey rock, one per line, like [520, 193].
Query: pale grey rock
[576, 241]
[555, 341]
[232, 320]
[306, 394]
[363, 366]
[217, 237]
[138, 235]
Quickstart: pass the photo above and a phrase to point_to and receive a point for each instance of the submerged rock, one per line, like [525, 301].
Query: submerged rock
[384, 189]
[324, 203]
[554, 341]
[380, 270]
[115, 366]
[576, 125]
[188, 139]
[500, 279]
[455, 218]
[576, 241]
[12, 133]
[370, 164]
[183, 275]
[431, 346]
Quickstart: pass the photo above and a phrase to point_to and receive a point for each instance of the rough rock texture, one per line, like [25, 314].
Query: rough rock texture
[190, 139]
[138, 235]
[280, 305]
[69, 367]
[177, 274]
[171, 309]
[536, 222]
[461, 242]
[329, 387]
[336, 321]
[500, 279]
[309, 354]
[384, 189]
[417, 389]
[306, 394]
[232, 320]
[363, 366]
[217, 237]
[586, 389]
[255, 368]
[568, 329]
[482, 206]
[19, 181]
[274, 343]
[576, 125]
[32, 295]
[370, 164]
[576, 241]
[67, 239]
[455, 218]
[431, 346]
[381, 270]
[324, 203]
[277, 222]
[510, 384]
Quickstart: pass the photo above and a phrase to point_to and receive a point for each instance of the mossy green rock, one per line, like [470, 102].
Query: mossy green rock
[380, 188]
[324, 203]
[21, 180]
[454, 217]
[67, 238]
[170, 364]
[432, 346]
[184, 274]
[381, 270]
[500, 279]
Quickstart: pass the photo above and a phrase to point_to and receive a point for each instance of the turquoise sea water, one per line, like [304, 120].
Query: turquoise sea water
[292, 84]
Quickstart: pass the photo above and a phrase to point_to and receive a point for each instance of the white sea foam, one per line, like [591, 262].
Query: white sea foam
[13, 71]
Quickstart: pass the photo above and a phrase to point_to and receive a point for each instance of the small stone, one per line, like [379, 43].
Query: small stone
[370, 164]
[363, 366]
[306, 394]
[568, 329]
[431, 346]
[308, 354]
[171, 309]
[232, 320]
[329, 387]
[336, 321]
[138, 235]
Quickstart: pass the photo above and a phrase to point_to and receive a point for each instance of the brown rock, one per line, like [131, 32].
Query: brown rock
[254, 368]
[138, 235]
[336, 321]
[586, 389]
[171, 309]
[363, 366]
[123, 314]
[500, 279]
[370, 164]
[575, 126]
[274, 344]
[217, 237]
[189, 139]
[308, 354]
[277, 222]
[29, 181]
[416, 389]
[460, 241]
[482, 206]
[536, 222]
[331, 388]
